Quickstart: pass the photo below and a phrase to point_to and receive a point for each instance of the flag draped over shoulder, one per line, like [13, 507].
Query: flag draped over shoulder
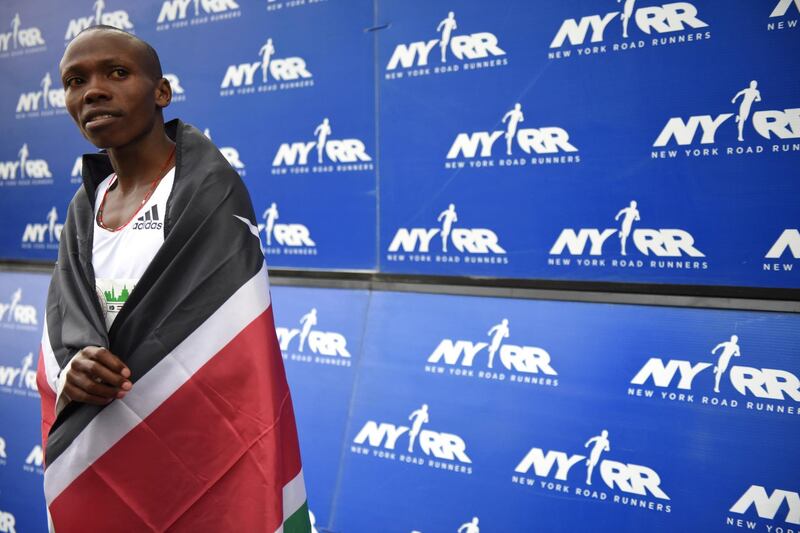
[206, 439]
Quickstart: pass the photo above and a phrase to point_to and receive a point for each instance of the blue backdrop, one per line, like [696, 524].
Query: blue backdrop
[562, 134]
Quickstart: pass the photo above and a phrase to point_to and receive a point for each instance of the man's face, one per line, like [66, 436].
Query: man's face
[111, 89]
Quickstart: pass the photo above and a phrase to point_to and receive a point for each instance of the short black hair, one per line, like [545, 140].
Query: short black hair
[154, 67]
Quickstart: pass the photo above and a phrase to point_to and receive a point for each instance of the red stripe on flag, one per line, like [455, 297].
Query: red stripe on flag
[226, 437]
[48, 396]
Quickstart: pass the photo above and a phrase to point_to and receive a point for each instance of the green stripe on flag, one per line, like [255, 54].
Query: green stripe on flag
[299, 521]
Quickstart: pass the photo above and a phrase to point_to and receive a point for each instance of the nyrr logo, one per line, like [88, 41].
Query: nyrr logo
[268, 75]
[676, 380]
[788, 11]
[789, 241]
[667, 247]
[285, 239]
[331, 155]
[25, 170]
[231, 154]
[465, 358]
[34, 461]
[757, 502]
[418, 446]
[17, 313]
[628, 484]
[313, 345]
[20, 380]
[473, 245]
[277, 5]
[75, 177]
[43, 236]
[21, 40]
[774, 125]
[179, 14]
[45, 103]
[477, 149]
[602, 33]
[7, 522]
[178, 93]
[465, 52]
[118, 19]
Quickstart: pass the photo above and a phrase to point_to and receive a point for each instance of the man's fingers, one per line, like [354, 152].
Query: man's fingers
[88, 385]
[95, 370]
[79, 395]
[107, 359]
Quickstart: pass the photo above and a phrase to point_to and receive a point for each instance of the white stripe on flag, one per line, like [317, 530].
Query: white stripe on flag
[152, 389]
[294, 496]
[51, 366]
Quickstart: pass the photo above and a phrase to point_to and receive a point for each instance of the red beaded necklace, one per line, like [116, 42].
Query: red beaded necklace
[147, 195]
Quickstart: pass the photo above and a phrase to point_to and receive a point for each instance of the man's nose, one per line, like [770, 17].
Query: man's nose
[96, 89]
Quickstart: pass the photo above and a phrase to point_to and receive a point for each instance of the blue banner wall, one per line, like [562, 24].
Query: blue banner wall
[22, 301]
[321, 332]
[429, 412]
[638, 142]
[621, 394]
[556, 148]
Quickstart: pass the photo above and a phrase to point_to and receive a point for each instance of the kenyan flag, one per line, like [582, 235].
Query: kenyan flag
[206, 439]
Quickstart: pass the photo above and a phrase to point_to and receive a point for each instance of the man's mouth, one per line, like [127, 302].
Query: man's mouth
[98, 120]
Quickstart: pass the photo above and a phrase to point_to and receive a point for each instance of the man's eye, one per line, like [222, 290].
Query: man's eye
[72, 82]
[119, 73]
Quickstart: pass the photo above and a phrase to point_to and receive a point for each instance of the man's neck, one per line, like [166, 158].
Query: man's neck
[142, 161]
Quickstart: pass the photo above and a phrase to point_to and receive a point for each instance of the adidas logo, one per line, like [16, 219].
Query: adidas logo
[149, 220]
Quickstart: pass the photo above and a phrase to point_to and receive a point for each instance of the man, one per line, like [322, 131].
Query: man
[498, 332]
[514, 117]
[270, 216]
[322, 132]
[446, 27]
[308, 321]
[172, 413]
[52, 220]
[447, 218]
[627, 12]
[15, 22]
[418, 418]
[600, 444]
[470, 527]
[629, 215]
[23, 160]
[46, 82]
[729, 349]
[748, 95]
[266, 53]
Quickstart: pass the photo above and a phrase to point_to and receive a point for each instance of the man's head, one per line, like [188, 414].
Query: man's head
[114, 88]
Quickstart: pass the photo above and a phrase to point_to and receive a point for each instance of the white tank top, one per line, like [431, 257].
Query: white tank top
[120, 257]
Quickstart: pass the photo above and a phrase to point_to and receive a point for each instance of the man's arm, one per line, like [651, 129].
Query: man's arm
[740, 93]
[717, 347]
[621, 211]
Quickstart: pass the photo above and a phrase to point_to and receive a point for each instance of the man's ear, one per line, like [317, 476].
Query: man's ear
[163, 93]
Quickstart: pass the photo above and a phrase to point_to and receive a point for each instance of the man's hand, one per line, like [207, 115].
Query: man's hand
[96, 376]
